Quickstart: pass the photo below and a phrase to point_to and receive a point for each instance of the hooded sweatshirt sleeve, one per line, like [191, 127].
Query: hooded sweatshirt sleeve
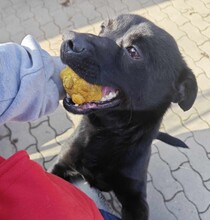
[30, 86]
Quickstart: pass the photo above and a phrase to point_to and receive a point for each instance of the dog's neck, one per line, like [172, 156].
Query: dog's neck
[126, 119]
[126, 127]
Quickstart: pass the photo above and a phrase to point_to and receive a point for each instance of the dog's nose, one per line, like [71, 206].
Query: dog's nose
[74, 42]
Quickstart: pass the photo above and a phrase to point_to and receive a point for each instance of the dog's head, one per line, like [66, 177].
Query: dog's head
[137, 63]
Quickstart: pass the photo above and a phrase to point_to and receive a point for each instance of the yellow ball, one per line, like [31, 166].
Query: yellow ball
[78, 89]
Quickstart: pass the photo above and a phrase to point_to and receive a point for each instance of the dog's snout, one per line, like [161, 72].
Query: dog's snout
[75, 46]
[74, 42]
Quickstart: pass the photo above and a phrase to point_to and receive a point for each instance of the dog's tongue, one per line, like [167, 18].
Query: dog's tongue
[107, 90]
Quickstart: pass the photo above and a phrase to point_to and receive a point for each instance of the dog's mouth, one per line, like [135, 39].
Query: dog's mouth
[110, 99]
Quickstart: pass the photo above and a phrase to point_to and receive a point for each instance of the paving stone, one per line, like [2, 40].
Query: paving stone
[190, 124]
[7, 14]
[6, 148]
[48, 164]
[206, 48]
[171, 155]
[173, 122]
[17, 38]
[162, 3]
[35, 5]
[4, 131]
[193, 33]
[35, 155]
[43, 16]
[195, 69]
[79, 20]
[132, 4]
[117, 5]
[52, 5]
[20, 135]
[207, 184]
[182, 208]
[171, 28]
[97, 3]
[204, 64]
[181, 6]
[59, 121]
[158, 210]
[206, 32]
[62, 19]
[199, 7]
[202, 137]
[89, 9]
[50, 30]
[106, 12]
[15, 28]
[190, 48]
[154, 148]
[46, 142]
[149, 178]
[25, 12]
[29, 24]
[196, 154]
[5, 4]
[198, 21]
[175, 15]
[201, 106]
[43, 133]
[205, 215]
[157, 13]
[193, 187]
[36, 123]
[162, 178]
[62, 138]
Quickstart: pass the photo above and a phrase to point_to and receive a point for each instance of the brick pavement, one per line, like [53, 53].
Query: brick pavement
[178, 179]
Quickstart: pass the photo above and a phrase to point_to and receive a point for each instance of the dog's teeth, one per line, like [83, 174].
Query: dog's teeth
[110, 96]
[103, 99]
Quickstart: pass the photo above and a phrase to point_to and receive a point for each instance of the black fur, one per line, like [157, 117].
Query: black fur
[111, 146]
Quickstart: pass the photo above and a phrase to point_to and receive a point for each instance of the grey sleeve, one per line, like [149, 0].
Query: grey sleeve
[30, 85]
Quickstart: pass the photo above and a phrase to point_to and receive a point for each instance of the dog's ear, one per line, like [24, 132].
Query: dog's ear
[185, 89]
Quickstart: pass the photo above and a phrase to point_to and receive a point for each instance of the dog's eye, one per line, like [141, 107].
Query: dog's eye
[133, 52]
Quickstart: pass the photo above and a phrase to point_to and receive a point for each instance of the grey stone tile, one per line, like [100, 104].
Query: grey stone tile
[88, 10]
[158, 209]
[190, 48]
[193, 187]
[50, 29]
[205, 215]
[44, 135]
[35, 155]
[59, 121]
[162, 178]
[171, 155]
[175, 15]
[106, 11]
[20, 135]
[199, 7]
[198, 158]
[182, 208]
[7, 149]
[207, 184]
[4, 131]
[193, 33]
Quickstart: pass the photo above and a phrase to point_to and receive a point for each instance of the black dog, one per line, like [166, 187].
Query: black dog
[142, 72]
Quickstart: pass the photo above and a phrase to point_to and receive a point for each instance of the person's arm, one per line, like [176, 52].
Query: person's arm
[30, 86]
